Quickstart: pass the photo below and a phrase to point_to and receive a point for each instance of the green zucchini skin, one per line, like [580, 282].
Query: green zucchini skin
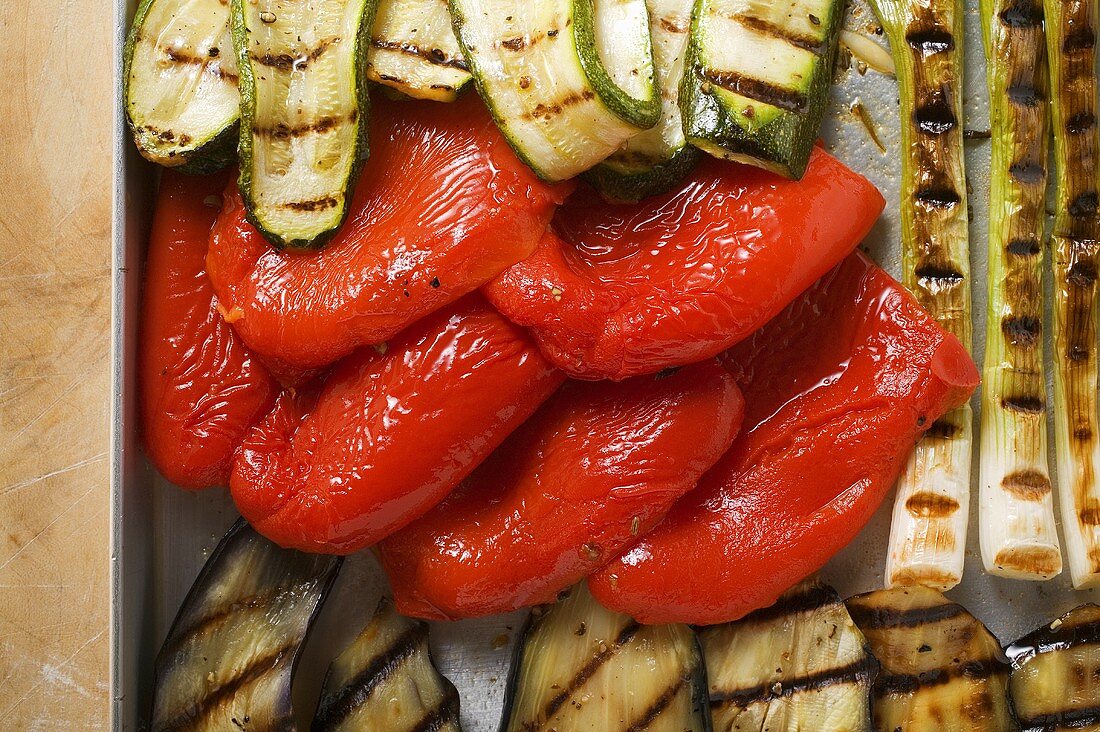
[626, 183]
[315, 220]
[755, 126]
[230, 656]
[214, 148]
[578, 666]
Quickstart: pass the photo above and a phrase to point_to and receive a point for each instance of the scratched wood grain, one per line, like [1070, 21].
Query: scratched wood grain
[55, 154]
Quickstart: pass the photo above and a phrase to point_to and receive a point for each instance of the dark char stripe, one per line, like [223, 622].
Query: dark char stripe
[556, 702]
[855, 672]
[1022, 15]
[1079, 40]
[761, 91]
[659, 705]
[1045, 640]
[435, 56]
[283, 131]
[1082, 273]
[1026, 403]
[912, 683]
[1025, 95]
[1022, 330]
[1066, 718]
[937, 197]
[337, 706]
[814, 597]
[943, 429]
[935, 118]
[553, 109]
[288, 61]
[316, 204]
[1084, 205]
[186, 58]
[1023, 247]
[879, 618]
[1027, 172]
[930, 41]
[764, 27]
[444, 714]
[1080, 123]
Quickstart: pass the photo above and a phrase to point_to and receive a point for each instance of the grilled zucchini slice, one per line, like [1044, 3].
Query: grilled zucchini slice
[567, 81]
[800, 664]
[578, 666]
[304, 110]
[653, 161]
[385, 680]
[1055, 673]
[757, 79]
[413, 49]
[941, 668]
[229, 659]
[180, 73]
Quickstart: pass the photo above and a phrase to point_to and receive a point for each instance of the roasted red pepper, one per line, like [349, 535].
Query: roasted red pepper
[200, 388]
[619, 290]
[390, 432]
[598, 465]
[838, 388]
[442, 206]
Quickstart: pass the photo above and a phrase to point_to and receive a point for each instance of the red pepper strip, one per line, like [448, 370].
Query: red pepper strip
[598, 465]
[838, 389]
[442, 206]
[621, 290]
[336, 468]
[200, 388]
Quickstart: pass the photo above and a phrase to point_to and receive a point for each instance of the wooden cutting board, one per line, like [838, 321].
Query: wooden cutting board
[55, 304]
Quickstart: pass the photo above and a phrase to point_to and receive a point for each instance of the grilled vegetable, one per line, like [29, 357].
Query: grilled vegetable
[941, 668]
[757, 79]
[568, 81]
[385, 680]
[413, 49]
[1071, 51]
[933, 497]
[181, 84]
[578, 666]
[303, 113]
[654, 160]
[1054, 674]
[1016, 517]
[800, 664]
[229, 658]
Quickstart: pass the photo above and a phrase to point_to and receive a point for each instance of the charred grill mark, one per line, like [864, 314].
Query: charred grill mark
[659, 705]
[185, 57]
[911, 683]
[1062, 719]
[282, 131]
[806, 43]
[935, 117]
[445, 713]
[522, 43]
[1024, 403]
[1080, 123]
[287, 61]
[548, 111]
[1025, 95]
[1079, 40]
[814, 597]
[881, 618]
[670, 25]
[1090, 515]
[854, 672]
[434, 56]
[931, 505]
[943, 429]
[1030, 485]
[1027, 172]
[1022, 15]
[556, 702]
[1084, 205]
[760, 91]
[1035, 560]
[931, 40]
[1022, 330]
[1047, 640]
[336, 707]
[1082, 273]
[937, 197]
[1023, 247]
[316, 204]
[938, 275]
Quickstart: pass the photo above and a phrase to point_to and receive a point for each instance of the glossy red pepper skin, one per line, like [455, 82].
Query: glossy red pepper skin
[838, 389]
[200, 388]
[441, 206]
[619, 290]
[337, 467]
[598, 465]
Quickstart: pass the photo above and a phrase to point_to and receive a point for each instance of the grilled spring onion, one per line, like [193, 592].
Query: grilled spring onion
[568, 81]
[1071, 51]
[229, 658]
[1054, 674]
[941, 668]
[181, 84]
[652, 161]
[757, 79]
[303, 113]
[385, 680]
[578, 666]
[800, 664]
[930, 514]
[1016, 516]
[414, 50]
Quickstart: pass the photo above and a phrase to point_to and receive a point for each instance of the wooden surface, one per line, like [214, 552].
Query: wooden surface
[55, 300]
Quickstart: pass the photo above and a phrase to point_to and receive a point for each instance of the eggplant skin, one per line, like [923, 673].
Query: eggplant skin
[229, 658]
[1055, 681]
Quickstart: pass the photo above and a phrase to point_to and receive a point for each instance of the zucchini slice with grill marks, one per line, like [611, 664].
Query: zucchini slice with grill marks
[653, 161]
[941, 669]
[1055, 680]
[567, 81]
[578, 666]
[414, 50]
[182, 104]
[229, 659]
[800, 664]
[385, 680]
[304, 108]
[757, 79]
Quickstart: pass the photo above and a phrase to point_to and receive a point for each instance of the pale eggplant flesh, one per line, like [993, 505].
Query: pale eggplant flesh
[228, 661]
[386, 680]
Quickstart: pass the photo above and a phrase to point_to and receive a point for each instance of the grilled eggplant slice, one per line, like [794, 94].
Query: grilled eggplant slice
[1055, 680]
[757, 79]
[568, 81]
[180, 73]
[385, 680]
[304, 108]
[941, 668]
[229, 658]
[413, 49]
[579, 666]
[800, 664]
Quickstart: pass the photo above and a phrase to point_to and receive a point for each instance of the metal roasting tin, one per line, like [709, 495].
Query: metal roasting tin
[161, 535]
